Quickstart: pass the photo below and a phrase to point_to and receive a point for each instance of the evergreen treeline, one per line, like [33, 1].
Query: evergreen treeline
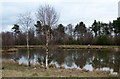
[98, 34]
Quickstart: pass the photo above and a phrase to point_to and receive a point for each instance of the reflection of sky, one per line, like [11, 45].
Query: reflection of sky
[73, 66]
[54, 62]
[69, 60]
[88, 67]
[23, 60]
[107, 69]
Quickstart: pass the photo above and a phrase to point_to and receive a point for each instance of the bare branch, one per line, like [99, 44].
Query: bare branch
[47, 15]
[48, 18]
[25, 20]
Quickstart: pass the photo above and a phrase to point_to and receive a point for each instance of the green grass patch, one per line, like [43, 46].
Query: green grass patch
[87, 46]
[34, 75]
[46, 74]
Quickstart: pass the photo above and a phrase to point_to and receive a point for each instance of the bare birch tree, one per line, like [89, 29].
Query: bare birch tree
[25, 20]
[48, 18]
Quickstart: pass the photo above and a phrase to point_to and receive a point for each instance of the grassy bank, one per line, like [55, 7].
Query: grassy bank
[15, 48]
[10, 69]
[86, 46]
[66, 46]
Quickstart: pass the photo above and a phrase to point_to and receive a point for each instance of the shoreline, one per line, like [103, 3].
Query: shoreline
[15, 48]
[66, 46]
[37, 71]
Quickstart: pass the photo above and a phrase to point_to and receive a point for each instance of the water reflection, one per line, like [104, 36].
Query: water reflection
[69, 59]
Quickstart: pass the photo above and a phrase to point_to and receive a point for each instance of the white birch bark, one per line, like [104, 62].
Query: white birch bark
[47, 48]
[27, 39]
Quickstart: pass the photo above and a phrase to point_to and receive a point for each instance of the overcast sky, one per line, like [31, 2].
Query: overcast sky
[71, 11]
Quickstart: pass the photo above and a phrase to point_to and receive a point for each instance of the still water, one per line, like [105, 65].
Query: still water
[104, 60]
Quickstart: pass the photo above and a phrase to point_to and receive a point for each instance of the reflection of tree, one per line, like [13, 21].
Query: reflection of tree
[116, 62]
[81, 57]
[69, 61]
[70, 56]
[33, 52]
[59, 56]
[106, 59]
[98, 59]
[96, 63]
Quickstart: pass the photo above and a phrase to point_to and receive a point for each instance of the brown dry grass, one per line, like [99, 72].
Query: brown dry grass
[14, 70]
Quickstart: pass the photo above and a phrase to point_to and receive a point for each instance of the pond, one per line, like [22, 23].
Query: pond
[89, 59]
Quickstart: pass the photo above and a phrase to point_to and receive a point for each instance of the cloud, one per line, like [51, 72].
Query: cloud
[71, 11]
[88, 11]
[7, 28]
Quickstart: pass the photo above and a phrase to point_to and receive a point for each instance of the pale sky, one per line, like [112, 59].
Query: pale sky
[71, 11]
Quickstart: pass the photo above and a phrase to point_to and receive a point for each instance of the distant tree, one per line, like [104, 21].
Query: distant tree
[88, 38]
[31, 35]
[110, 25]
[70, 30]
[100, 28]
[16, 30]
[48, 17]
[38, 27]
[21, 40]
[96, 27]
[61, 30]
[59, 34]
[80, 30]
[103, 40]
[40, 32]
[7, 40]
[106, 28]
[116, 26]
[117, 39]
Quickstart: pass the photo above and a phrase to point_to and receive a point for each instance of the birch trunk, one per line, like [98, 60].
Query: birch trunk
[47, 48]
[28, 47]
[47, 17]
